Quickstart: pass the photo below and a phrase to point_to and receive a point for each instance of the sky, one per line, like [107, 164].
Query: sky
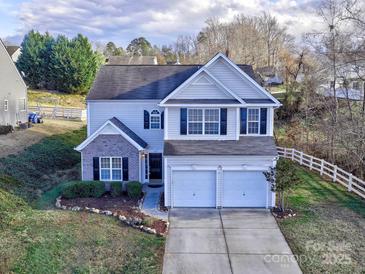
[160, 21]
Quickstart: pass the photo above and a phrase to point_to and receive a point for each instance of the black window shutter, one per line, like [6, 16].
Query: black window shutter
[125, 169]
[96, 168]
[263, 120]
[243, 127]
[223, 121]
[162, 119]
[183, 121]
[146, 119]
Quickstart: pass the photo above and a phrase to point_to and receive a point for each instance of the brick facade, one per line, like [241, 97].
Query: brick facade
[110, 146]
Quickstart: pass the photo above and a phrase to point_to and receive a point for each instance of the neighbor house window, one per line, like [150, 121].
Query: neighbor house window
[155, 119]
[21, 104]
[356, 85]
[6, 105]
[253, 120]
[203, 121]
[111, 169]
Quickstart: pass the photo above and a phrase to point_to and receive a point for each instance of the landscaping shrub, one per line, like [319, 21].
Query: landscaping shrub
[6, 129]
[84, 189]
[134, 189]
[116, 189]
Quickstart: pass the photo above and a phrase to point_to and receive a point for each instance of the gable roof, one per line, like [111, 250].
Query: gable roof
[128, 131]
[117, 82]
[11, 63]
[11, 49]
[122, 129]
[132, 60]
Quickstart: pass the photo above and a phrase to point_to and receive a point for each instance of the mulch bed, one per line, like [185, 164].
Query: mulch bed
[121, 205]
[287, 213]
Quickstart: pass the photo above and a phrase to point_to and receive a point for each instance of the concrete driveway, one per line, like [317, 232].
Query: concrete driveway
[226, 241]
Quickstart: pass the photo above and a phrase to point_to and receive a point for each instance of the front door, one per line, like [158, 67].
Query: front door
[155, 165]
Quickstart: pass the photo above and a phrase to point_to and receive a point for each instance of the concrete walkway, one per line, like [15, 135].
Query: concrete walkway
[226, 241]
[151, 202]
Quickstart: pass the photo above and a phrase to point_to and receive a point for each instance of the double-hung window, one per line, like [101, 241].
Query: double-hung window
[6, 105]
[253, 120]
[21, 104]
[111, 169]
[155, 119]
[203, 121]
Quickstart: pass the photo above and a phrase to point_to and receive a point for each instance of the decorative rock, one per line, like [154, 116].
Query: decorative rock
[95, 210]
[107, 212]
[122, 218]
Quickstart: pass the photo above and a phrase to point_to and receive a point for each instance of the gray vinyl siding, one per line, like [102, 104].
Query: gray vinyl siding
[12, 88]
[131, 114]
[173, 127]
[197, 90]
[231, 79]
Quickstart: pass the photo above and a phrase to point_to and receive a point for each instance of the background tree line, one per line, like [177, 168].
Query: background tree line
[63, 64]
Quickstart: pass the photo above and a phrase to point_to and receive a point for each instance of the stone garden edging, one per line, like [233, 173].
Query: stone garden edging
[134, 222]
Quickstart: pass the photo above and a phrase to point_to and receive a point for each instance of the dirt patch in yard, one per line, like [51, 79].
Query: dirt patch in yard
[17, 141]
[107, 202]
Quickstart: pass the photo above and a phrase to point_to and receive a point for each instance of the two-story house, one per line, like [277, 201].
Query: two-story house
[204, 131]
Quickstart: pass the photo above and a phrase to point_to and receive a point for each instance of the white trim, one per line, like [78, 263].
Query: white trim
[166, 129]
[191, 78]
[89, 139]
[11, 60]
[238, 123]
[88, 118]
[240, 71]
[195, 83]
[82, 168]
[254, 121]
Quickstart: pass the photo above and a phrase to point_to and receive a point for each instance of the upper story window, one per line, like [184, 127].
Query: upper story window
[253, 120]
[203, 121]
[155, 119]
[6, 105]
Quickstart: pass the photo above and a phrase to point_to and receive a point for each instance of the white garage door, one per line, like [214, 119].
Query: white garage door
[244, 189]
[194, 188]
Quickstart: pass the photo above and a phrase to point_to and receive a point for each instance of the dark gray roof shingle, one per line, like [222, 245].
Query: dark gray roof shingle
[202, 101]
[132, 60]
[246, 145]
[115, 82]
[129, 132]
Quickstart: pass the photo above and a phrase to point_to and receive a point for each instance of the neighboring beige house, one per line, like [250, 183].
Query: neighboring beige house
[13, 91]
[132, 60]
[14, 52]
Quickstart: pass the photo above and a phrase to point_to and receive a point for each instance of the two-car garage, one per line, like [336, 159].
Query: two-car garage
[219, 188]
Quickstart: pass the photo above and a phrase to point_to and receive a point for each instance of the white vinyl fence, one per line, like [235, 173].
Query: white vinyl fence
[59, 112]
[351, 182]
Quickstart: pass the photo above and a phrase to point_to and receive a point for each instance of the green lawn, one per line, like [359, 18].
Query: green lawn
[52, 241]
[36, 238]
[329, 231]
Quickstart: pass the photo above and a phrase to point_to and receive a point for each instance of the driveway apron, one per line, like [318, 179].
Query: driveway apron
[226, 241]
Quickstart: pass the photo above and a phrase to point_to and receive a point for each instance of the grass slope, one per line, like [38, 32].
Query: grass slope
[53, 98]
[71, 242]
[329, 231]
[54, 241]
[42, 165]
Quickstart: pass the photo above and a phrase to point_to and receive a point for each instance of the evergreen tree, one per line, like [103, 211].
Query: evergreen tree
[31, 61]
